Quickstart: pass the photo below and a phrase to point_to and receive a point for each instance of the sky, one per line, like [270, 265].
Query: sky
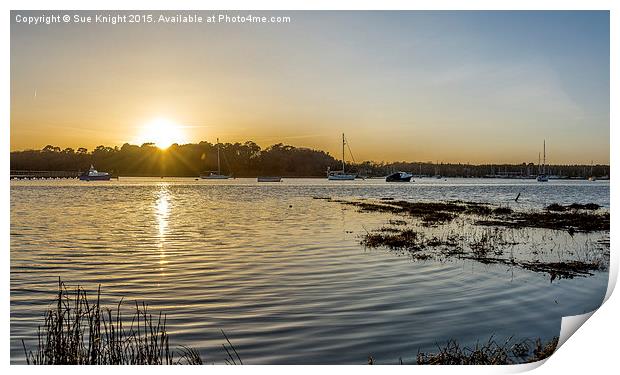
[469, 86]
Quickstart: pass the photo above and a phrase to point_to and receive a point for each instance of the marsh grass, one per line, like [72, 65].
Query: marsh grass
[77, 330]
[486, 246]
[489, 353]
[575, 206]
[573, 218]
[486, 232]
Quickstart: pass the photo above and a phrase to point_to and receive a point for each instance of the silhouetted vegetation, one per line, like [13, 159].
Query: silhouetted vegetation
[78, 331]
[249, 160]
[490, 353]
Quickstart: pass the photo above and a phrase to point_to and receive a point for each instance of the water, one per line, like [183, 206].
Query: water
[283, 274]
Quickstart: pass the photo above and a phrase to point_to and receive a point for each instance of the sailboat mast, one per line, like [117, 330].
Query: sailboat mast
[544, 155]
[342, 152]
[218, 157]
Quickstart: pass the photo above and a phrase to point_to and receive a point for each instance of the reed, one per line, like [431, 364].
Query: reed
[77, 330]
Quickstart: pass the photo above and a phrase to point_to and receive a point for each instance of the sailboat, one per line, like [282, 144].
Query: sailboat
[542, 176]
[592, 177]
[211, 175]
[340, 175]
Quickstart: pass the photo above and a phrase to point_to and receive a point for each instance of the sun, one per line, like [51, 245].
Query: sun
[162, 132]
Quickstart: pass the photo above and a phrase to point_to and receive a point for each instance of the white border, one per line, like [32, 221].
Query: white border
[592, 348]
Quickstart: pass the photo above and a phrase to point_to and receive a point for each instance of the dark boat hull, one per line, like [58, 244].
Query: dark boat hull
[95, 178]
[396, 177]
[269, 179]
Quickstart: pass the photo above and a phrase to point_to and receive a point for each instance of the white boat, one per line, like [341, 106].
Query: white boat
[542, 176]
[269, 179]
[340, 175]
[592, 177]
[94, 175]
[213, 175]
[437, 171]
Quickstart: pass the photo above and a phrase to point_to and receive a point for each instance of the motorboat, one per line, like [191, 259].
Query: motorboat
[269, 179]
[213, 175]
[399, 177]
[93, 175]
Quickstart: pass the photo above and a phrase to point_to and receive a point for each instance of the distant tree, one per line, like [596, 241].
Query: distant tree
[248, 159]
[50, 148]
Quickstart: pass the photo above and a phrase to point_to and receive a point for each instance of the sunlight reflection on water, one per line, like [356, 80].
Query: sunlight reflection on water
[162, 212]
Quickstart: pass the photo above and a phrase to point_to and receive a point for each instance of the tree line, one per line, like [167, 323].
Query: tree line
[249, 160]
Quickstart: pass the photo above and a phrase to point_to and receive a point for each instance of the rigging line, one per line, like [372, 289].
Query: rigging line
[350, 152]
[227, 163]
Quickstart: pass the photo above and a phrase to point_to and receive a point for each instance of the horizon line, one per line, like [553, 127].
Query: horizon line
[152, 144]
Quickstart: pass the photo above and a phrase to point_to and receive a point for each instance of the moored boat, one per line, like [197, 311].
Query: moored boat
[399, 177]
[93, 175]
[340, 175]
[542, 176]
[213, 175]
[269, 179]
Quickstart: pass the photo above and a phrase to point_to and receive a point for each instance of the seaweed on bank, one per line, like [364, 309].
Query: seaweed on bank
[502, 210]
[415, 243]
[487, 249]
[573, 221]
[406, 239]
[575, 206]
[397, 222]
[431, 213]
[564, 270]
[489, 353]
[574, 217]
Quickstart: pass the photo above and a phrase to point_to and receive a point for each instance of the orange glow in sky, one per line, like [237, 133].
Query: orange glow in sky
[471, 87]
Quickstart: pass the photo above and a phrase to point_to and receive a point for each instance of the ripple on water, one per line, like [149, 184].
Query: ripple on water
[283, 274]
